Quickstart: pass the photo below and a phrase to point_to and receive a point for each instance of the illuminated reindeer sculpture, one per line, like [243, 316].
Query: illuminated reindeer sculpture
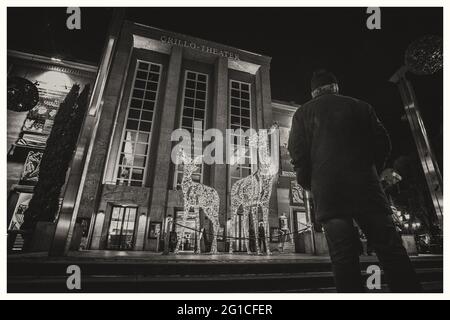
[255, 190]
[198, 196]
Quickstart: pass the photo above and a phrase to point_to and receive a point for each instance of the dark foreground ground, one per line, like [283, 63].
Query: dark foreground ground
[142, 272]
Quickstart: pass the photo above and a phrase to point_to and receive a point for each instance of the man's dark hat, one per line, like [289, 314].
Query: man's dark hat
[321, 78]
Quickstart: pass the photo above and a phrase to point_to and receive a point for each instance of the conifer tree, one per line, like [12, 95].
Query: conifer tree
[56, 159]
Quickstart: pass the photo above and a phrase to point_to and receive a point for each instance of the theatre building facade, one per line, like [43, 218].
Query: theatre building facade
[123, 187]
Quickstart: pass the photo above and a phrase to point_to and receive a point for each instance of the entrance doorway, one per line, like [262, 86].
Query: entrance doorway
[240, 235]
[121, 228]
[190, 235]
[300, 223]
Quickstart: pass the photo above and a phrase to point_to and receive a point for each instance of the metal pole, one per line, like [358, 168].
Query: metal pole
[308, 211]
[427, 159]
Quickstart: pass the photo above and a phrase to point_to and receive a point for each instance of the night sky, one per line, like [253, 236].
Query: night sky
[299, 40]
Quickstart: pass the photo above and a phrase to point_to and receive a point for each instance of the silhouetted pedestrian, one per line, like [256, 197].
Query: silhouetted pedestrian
[337, 145]
[262, 237]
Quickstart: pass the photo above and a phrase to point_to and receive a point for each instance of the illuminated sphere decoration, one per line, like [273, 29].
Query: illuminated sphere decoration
[23, 95]
[425, 55]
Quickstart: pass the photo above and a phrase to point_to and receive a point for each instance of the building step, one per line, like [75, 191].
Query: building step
[18, 244]
[169, 275]
[300, 282]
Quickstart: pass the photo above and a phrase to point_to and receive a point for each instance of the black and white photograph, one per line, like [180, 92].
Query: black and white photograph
[292, 150]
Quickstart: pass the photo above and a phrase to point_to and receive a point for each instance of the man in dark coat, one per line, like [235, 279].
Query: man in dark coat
[338, 146]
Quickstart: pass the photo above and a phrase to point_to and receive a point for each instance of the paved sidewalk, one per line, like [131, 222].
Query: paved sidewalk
[151, 257]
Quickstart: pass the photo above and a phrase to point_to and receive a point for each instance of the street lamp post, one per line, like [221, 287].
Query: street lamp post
[427, 159]
[423, 57]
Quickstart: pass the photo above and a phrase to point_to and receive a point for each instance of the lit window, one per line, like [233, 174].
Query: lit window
[133, 154]
[240, 118]
[195, 102]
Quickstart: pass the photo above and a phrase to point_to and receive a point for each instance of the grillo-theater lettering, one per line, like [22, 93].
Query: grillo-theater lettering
[200, 47]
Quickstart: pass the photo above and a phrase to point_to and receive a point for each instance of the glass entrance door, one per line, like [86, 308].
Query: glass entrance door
[239, 234]
[121, 228]
[188, 243]
[300, 223]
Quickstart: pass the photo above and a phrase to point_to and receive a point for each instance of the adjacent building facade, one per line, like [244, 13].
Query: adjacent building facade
[27, 131]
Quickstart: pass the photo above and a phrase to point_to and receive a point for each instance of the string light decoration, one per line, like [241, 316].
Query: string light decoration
[254, 191]
[425, 55]
[197, 196]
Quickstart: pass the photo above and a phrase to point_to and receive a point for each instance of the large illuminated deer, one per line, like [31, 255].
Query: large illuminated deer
[254, 191]
[198, 196]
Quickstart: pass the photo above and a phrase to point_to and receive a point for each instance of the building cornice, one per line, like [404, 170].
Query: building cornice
[285, 106]
[52, 64]
[148, 31]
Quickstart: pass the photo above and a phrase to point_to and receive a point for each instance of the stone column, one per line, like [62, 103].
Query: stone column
[264, 90]
[258, 102]
[141, 224]
[264, 75]
[98, 127]
[220, 122]
[97, 230]
[161, 184]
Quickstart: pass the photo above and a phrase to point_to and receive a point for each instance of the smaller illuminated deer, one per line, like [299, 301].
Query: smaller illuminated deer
[198, 196]
[254, 191]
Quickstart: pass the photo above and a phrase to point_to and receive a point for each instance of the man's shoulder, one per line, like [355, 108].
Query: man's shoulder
[304, 107]
[331, 97]
[355, 101]
[335, 98]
